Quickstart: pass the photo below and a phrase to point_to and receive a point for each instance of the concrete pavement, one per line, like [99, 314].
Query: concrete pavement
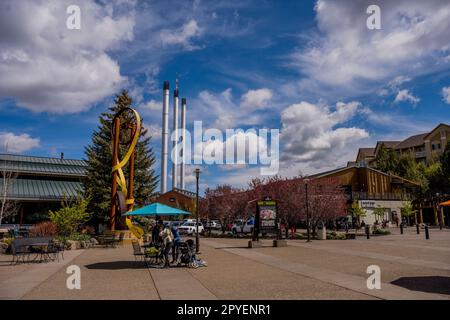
[15, 287]
[411, 268]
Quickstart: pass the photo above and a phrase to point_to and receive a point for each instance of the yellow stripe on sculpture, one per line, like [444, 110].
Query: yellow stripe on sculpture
[137, 231]
[120, 178]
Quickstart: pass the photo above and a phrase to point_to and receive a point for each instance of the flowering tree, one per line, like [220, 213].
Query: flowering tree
[224, 203]
[326, 200]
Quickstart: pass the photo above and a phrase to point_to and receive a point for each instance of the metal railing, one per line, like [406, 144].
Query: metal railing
[420, 154]
[380, 196]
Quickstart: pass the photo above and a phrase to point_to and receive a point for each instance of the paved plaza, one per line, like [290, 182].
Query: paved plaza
[411, 268]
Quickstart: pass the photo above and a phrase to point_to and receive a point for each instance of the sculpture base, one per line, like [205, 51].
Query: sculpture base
[254, 244]
[279, 243]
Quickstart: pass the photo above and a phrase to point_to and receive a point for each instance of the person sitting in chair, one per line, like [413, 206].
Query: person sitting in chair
[157, 228]
[167, 240]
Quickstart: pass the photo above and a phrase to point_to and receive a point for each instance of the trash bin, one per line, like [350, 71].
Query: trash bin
[322, 233]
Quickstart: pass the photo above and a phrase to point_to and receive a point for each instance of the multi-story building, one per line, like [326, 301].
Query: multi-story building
[424, 147]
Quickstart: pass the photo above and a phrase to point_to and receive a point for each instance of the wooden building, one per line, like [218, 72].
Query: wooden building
[39, 184]
[178, 198]
[373, 188]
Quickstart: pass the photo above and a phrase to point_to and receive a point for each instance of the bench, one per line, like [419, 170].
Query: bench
[20, 248]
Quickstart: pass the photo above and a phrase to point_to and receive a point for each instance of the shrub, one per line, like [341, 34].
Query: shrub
[381, 231]
[69, 218]
[43, 229]
[336, 236]
[88, 230]
[8, 241]
[73, 237]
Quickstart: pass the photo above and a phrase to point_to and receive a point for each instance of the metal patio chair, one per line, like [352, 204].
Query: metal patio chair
[137, 252]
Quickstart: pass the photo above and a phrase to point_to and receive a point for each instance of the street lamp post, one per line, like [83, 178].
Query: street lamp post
[438, 209]
[307, 211]
[197, 239]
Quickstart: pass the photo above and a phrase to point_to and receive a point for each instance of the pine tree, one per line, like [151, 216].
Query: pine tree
[387, 159]
[99, 157]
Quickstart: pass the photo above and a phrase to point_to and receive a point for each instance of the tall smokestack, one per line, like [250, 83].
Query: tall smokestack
[175, 132]
[165, 137]
[183, 144]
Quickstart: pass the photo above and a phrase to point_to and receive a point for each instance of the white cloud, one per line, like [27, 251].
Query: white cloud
[398, 81]
[152, 105]
[155, 131]
[446, 94]
[10, 142]
[256, 99]
[46, 67]
[189, 174]
[347, 58]
[310, 132]
[219, 110]
[405, 95]
[182, 36]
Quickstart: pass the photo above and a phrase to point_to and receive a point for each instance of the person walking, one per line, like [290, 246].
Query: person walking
[167, 240]
[396, 219]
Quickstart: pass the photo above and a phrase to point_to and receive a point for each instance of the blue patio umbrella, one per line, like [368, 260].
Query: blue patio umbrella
[156, 209]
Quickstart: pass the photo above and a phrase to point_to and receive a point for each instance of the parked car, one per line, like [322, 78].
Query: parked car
[213, 224]
[190, 228]
[176, 224]
[172, 224]
[245, 227]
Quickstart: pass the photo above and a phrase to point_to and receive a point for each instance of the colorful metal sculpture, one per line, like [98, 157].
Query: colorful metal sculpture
[122, 200]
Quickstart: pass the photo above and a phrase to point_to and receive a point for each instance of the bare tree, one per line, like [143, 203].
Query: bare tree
[8, 176]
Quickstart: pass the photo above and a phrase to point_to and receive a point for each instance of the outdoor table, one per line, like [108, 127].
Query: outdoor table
[40, 253]
[106, 240]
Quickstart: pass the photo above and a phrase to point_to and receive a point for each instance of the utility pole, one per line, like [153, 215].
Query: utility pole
[307, 211]
[197, 238]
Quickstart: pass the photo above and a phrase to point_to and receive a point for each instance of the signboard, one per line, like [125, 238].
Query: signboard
[367, 204]
[267, 216]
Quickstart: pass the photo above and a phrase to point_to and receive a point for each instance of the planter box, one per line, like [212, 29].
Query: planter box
[254, 244]
[280, 243]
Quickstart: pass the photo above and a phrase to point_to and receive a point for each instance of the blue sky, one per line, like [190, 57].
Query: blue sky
[311, 69]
